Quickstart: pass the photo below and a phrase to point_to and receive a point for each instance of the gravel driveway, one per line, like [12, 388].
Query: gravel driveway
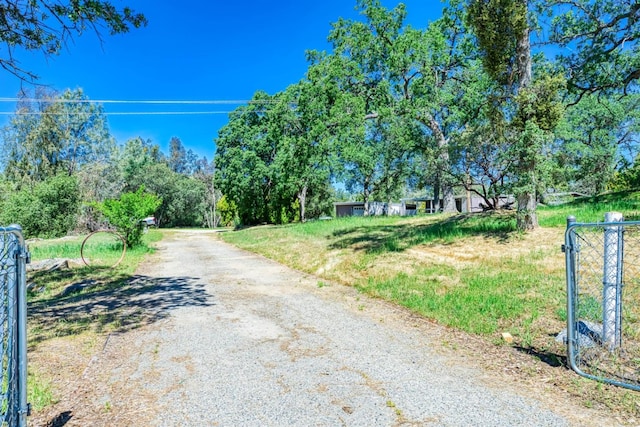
[244, 341]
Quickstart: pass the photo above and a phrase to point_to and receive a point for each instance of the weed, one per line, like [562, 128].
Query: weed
[39, 390]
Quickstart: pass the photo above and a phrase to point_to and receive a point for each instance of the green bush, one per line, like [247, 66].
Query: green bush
[127, 212]
[48, 209]
[228, 212]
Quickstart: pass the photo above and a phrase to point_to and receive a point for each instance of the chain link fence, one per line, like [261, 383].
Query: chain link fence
[603, 300]
[13, 326]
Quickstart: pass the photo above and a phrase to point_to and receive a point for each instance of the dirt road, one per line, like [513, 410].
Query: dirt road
[237, 340]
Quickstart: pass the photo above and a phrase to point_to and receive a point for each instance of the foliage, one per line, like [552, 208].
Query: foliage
[181, 160]
[598, 40]
[228, 211]
[526, 109]
[244, 155]
[498, 26]
[366, 141]
[46, 26]
[182, 196]
[136, 155]
[272, 156]
[56, 134]
[65, 134]
[628, 178]
[127, 212]
[47, 209]
[592, 140]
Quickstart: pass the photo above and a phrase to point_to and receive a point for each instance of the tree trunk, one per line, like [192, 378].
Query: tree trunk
[365, 196]
[527, 218]
[523, 55]
[448, 199]
[216, 221]
[302, 198]
[443, 165]
[526, 215]
[436, 193]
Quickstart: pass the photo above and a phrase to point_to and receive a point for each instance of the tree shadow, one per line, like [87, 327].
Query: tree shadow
[376, 239]
[114, 306]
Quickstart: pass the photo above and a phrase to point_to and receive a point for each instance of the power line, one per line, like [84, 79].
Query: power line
[143, 101]
[119, 113]
[238, 102]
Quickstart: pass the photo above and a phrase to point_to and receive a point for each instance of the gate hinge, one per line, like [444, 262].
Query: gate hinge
[563, 248]
[25, 410]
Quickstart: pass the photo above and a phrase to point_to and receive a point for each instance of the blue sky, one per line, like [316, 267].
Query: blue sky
[195, 50]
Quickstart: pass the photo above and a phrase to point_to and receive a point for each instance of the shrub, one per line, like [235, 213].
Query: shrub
[48, 209]
[127, 212]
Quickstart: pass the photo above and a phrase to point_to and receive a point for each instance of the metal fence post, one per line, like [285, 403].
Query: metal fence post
[569, 250]
[612, 281]
[21, 283]
[13, 325]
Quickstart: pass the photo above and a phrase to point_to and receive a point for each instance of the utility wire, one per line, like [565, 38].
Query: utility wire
[119, 113]
[134, 102]
[144, 101]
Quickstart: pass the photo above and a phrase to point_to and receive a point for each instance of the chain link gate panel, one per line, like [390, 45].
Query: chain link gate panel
[603, 300]
[13, 326]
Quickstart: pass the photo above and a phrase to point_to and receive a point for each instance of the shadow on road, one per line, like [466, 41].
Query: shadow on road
[116, 306]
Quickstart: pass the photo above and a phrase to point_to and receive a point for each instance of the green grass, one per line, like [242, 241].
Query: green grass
[69, 247]
[378, 235]
[47, 284]
[592, 209]
[486, 300]
[39, 391]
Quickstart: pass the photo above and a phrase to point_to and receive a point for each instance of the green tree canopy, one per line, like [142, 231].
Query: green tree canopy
[54, 134]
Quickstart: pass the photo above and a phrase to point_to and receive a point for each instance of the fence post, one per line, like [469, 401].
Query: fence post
[612, 281]
[23, 409]
[570, 250]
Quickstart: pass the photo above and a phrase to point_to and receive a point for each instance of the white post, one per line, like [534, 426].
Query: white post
[611, 296]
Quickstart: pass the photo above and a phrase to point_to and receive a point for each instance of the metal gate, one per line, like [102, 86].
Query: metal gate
[13, 326]
[603, 300]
